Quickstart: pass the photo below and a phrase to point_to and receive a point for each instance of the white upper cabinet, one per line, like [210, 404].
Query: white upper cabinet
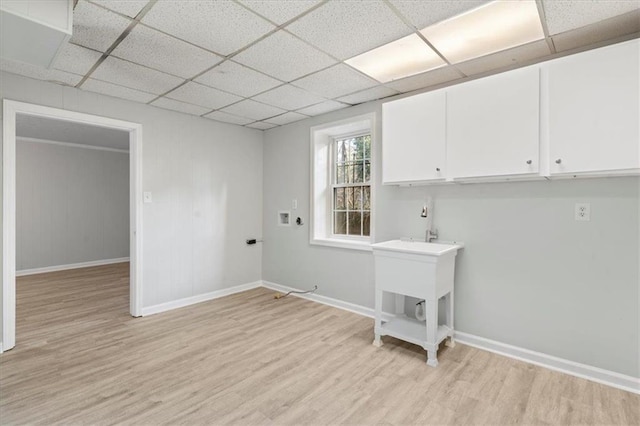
[413, 139]
[594, 115]
[493, 126]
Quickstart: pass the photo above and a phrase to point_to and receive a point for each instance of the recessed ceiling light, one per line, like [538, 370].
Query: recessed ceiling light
[401, 58]
[493, 27]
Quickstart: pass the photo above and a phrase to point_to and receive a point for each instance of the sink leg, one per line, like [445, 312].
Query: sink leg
[432, 358]
[450, 342]
[378, 319]
[431, 307]
[377, 341]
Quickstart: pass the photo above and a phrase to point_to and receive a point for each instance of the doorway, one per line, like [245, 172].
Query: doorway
[13, 110]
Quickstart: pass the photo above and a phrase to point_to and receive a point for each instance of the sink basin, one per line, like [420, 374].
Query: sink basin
[418, 247]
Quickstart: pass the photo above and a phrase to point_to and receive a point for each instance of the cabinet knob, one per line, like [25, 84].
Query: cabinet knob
[559, 160]
[437, 169]
[528, 161]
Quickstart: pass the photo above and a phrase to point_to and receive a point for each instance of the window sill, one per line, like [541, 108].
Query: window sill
[345, 244]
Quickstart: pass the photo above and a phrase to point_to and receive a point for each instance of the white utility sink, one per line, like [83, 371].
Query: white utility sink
[418, 247]
[421, 270]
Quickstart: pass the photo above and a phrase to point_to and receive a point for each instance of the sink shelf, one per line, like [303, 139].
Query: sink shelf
[411, 330]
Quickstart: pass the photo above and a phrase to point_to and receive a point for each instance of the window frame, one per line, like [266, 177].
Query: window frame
[321, 189]
[333, 185]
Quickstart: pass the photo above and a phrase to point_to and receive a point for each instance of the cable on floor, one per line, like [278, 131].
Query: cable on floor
[281, 296]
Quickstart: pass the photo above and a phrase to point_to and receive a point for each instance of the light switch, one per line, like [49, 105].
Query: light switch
[294, 204]
[147, 197]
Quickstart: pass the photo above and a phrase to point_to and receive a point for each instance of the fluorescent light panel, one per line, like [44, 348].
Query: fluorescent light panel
[493, 27]
[401, 58]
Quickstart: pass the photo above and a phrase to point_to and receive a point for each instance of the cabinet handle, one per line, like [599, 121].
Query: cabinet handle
[559, 160]
[437, 169]
[528, 161]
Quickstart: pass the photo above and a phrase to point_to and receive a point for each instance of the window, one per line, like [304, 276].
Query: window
[351, 185]
[342, 176]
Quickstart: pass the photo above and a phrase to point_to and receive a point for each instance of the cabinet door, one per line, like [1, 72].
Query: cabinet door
[493, 125]
[594, 110]
[413, 139]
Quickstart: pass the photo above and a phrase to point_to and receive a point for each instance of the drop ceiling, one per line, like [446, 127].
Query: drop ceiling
[266, 63]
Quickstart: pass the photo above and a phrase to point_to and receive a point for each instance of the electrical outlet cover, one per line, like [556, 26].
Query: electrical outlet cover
[583, 212]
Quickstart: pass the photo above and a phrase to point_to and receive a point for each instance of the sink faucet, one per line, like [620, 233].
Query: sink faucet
[427, 212]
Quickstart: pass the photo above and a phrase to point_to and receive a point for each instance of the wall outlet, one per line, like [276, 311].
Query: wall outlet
[294, 204]
[583, 212]
[147, 197]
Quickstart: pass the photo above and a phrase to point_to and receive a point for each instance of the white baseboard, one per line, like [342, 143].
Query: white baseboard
[70, 266]
[175, 304]
[595, 374]
[584, 371]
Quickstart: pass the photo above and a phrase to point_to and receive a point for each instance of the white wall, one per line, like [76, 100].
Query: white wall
[530, 275]
[206, 179]
[72, 205]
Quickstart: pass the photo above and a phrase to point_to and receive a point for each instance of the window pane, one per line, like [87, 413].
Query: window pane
[357, 198]
[340, 173]
[348, 193]
[367, 171]
[355, 221]
[367, 146]
[338, 199]
[366, 223]
[340, 157]
[359, 148]
[355, 173]
[340, 223]
[366, 198]
[347, 149]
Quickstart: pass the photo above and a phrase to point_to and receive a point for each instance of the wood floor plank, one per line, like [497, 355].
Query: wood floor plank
[251, 359]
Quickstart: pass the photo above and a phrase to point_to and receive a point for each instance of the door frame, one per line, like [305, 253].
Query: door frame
[10, 110]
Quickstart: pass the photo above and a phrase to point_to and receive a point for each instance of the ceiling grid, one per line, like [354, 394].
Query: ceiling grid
[266, 63]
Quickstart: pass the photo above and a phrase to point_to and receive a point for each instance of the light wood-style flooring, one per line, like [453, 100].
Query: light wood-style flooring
[250, 359]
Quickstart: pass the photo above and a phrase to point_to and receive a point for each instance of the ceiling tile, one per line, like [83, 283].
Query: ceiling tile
[228, 118]
[267, 56]
[117, 71]
[279, 11]
[261, 125]
[424, 13]
[152, 48]
[39, 73]
[335, 81]
[608, 29]
[565, 15]
[95, 27]
[288, 97]
[127, 7]
[368, 95]
[235, 78]
[117, 91]
[322, 107]
[174, 105]
[506, 58]
[205, 96]
[426, 79]
[220, 26]
[286, 118]
[253, 109]
[76, 59]
[347, 28]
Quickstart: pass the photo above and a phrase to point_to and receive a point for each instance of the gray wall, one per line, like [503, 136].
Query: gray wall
[72, 205]
[530, 275]
[206, 179]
